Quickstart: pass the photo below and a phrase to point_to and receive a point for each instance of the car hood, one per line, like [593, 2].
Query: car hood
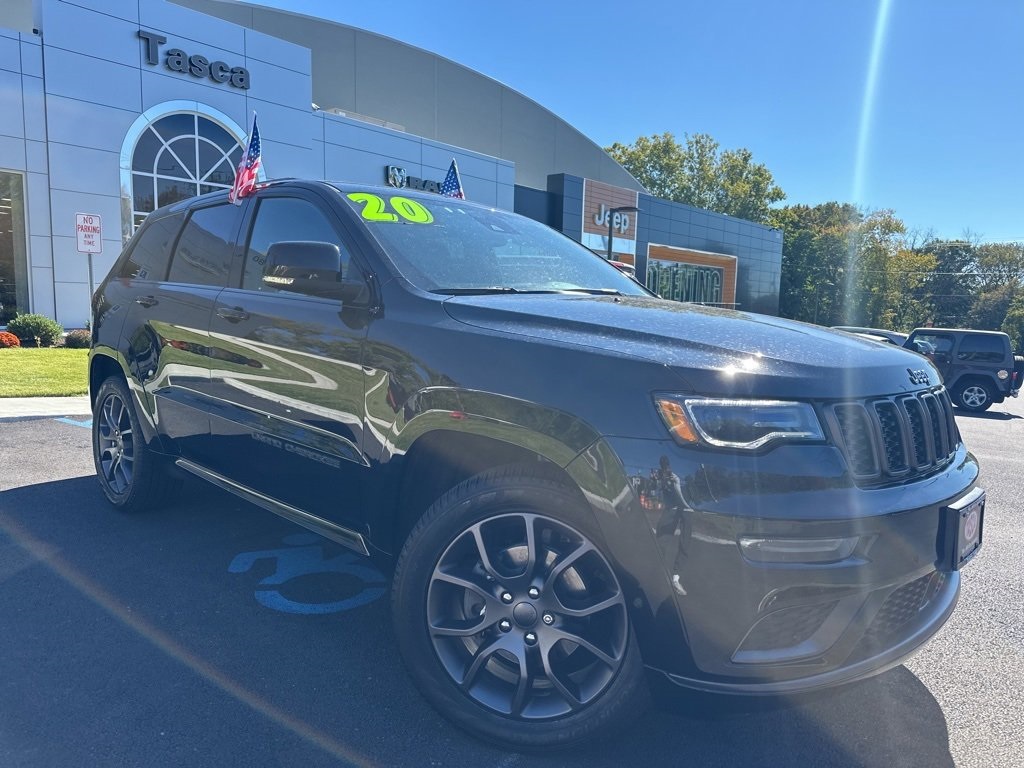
[714, 351]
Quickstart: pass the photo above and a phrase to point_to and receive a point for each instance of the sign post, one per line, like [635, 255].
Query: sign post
[89, 232]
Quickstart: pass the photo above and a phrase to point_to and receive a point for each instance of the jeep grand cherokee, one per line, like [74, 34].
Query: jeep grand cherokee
[576, 479]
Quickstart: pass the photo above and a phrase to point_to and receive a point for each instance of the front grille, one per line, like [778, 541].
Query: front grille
[895, 438]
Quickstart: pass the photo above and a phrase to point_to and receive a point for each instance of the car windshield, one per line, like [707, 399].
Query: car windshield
[447, 245]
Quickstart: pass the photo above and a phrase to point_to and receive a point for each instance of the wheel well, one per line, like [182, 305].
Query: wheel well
[439, 461]
[974, 378]
[102, 368]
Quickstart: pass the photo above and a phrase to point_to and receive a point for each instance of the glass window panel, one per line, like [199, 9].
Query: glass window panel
[185, 149]
[281, 219]
[142, 193]
[173, 126]
[209, 157]
[167, 165]
[146, 149]
[235, 157]
[204, 188]
[225, 174]
[210, 130]
[169, 191]
[13, 247]
[203, 255]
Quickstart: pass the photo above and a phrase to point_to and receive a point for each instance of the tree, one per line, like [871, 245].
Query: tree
[698, 174]
[954, 283]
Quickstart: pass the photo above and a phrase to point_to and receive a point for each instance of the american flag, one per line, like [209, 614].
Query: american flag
[452, 184]
[248, 168]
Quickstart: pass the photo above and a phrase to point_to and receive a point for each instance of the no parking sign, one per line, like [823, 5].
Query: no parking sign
[89, 230]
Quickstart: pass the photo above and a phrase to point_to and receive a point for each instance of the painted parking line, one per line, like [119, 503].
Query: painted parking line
[65, 420]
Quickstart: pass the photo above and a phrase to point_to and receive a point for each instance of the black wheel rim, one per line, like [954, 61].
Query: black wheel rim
[526, 616]
[116, 444]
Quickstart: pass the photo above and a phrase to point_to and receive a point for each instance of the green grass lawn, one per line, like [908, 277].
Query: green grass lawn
[43, 372]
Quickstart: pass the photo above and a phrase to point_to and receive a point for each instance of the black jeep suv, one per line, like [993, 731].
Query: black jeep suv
[576, 479]
[977, 367]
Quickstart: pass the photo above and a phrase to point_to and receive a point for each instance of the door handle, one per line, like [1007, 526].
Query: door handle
[232, 314]
[147, 301]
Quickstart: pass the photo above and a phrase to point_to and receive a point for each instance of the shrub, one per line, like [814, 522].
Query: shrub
[8, 340]
[80, 339]
[36, 329]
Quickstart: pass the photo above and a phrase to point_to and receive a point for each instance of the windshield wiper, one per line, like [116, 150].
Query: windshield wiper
[595, 291]
[483, 291]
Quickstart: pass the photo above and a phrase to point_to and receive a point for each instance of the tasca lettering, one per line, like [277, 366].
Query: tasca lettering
[197, 65]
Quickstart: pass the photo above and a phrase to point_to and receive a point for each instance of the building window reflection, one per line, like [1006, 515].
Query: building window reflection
[13, 247]
[685, 282]
[179, 156]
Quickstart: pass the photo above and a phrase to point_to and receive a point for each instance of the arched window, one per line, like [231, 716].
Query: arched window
[179, 156]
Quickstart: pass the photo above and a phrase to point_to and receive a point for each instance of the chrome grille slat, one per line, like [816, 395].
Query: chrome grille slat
[886, 439]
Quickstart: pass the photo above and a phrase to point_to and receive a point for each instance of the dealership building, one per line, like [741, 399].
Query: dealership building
[111, 108]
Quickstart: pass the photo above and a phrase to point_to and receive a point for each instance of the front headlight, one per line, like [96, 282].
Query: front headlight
[746, 424]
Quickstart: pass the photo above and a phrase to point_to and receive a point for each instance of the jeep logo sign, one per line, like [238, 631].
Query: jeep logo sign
[920, 376]
[196, 65]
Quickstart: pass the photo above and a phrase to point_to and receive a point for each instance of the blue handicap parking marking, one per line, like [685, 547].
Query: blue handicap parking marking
[305, 554]
[65, 420]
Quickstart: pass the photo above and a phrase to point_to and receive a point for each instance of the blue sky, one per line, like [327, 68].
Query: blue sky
[941, 141]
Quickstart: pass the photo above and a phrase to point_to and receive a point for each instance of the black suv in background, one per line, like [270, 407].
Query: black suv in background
[574, 478]
[977, 367]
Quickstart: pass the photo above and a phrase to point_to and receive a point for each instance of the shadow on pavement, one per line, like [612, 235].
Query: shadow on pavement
[990, 415]
[145, 640]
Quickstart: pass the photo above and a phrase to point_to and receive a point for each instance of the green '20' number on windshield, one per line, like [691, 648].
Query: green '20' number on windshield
[375, 209]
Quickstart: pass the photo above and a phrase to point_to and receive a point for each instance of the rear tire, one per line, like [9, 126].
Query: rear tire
[974, 396]
[133, 477]
[510, 618]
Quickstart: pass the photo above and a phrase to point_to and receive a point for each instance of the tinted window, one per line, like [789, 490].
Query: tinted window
[982, 349]
[148, 259]
[281, 219]
[203, 255]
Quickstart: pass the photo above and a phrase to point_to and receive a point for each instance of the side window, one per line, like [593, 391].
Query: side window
[981, 349]
[943, 344]
[281, 219]
[203, 255]
[149, 257]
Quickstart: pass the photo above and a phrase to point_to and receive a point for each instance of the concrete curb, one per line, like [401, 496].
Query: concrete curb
[22, 407]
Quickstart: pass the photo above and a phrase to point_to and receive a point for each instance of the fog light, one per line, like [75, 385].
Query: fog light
[760, 550]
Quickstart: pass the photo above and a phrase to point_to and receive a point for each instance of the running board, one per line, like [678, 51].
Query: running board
[343, 536]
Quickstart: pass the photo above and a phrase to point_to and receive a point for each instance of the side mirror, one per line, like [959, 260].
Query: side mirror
[311, 268]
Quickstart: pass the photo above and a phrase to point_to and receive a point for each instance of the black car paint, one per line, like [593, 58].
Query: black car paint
[567, 379]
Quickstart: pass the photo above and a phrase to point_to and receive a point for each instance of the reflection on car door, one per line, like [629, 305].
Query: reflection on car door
[287, 372]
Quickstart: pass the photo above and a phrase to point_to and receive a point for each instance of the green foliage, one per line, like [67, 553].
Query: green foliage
[78, 339]
[698, 174]
[37, 330]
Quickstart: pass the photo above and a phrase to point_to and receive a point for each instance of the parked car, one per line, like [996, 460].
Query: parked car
[573, 479]
[978, 367]
[893, 337]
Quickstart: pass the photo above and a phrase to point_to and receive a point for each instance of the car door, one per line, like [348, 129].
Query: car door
[942, 353]
[286, 368]
[167, 327]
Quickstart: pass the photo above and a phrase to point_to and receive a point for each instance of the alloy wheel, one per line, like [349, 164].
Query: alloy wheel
[526, 616]
[974, 396]
[116, 444]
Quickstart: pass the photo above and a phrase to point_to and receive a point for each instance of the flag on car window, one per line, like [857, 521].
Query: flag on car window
[248, 168]
[452, 184]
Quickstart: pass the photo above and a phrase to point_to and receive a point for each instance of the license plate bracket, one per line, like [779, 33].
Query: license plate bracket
[962, 524]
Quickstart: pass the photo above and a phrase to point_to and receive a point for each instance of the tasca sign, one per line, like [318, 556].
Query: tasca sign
[196, 64]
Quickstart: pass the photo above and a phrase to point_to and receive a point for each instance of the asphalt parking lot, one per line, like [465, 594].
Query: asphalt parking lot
[213, 633]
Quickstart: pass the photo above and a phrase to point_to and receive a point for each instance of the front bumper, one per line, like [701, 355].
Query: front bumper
[763, 628]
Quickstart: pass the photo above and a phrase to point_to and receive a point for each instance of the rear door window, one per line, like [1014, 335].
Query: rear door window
[981, 349]
[203, 253]
[152, 251]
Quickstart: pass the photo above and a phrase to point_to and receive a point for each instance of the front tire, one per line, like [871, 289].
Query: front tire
[510, 618]
[974, 396]
[130, 473]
